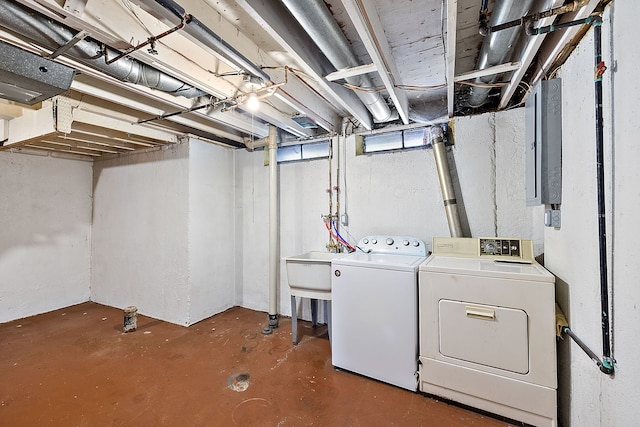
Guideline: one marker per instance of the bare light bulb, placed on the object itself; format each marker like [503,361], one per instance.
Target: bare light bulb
[252,102]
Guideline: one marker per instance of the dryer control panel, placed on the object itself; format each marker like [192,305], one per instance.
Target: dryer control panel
[496,248]
[503,247]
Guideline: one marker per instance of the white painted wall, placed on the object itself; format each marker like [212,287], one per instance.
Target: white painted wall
[163,232]
[140,233]
[45,204]
[211,230]
[385,193]
[588,397]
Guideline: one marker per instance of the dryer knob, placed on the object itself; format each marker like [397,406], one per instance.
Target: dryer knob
[374,241]
[389,241]
[365,241]
[416,243]
[405,242]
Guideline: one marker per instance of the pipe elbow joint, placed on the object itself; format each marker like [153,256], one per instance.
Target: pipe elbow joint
[606,369]
[607,366]
[529,30]
[483,26]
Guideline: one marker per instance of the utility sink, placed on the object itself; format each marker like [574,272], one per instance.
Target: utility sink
[309,274]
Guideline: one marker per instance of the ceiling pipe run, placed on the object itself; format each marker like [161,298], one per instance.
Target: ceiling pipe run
[436,135]
[317,20]
[205,35]
[52,35]
[498,47]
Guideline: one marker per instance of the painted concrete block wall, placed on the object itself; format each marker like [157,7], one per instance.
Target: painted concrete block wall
[513,217]
[393,193]
[140,233]
[45,239]
[384,193]
[211,230]
[588,397]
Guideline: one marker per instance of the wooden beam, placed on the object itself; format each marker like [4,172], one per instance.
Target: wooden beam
[365,18]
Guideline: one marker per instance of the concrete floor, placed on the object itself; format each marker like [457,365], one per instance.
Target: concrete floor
[75,367]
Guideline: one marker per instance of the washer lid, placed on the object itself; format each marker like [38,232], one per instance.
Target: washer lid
[382,261]
[487,267]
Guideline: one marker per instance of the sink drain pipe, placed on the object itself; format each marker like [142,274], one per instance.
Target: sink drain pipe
[607,363]
[436,135]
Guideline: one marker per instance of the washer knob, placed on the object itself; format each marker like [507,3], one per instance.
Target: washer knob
[416,243]
[365,241]
[374,241]
[405,242]
[389,241]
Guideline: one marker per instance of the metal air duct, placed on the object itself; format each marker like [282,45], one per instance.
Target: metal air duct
[28,78]
[436,135]
[52,35]
[498,47]
[316,19]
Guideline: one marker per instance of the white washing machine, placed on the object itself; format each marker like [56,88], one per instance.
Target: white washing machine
[375,309]
[487,328]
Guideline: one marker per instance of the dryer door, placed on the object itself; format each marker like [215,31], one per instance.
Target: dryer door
[487,335]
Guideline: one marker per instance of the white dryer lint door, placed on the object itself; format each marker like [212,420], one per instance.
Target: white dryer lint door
[483,334]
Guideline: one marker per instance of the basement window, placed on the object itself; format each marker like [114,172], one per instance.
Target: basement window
[297,152]
[391,141]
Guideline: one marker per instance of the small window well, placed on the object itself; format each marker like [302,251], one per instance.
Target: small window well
[394,140]
[297,152]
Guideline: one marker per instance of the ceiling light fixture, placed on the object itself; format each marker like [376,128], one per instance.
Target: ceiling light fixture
[252,102]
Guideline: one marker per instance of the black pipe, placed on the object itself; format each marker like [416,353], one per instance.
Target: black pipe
[607,364]
[204,34]
[602,225]
[483,25]
[531,18]
[590,353]
[550,28]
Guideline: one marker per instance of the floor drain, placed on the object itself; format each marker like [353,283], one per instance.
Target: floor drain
[239,382]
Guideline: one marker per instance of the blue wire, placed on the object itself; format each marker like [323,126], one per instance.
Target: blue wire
[338,234]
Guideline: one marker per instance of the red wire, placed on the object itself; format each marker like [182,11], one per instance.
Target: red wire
[344,242]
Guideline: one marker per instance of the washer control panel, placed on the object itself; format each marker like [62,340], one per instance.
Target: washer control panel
[502,247]
[400,245]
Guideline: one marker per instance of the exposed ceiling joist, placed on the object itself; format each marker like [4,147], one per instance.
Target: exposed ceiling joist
[496,69]
[364,16]
[350,72]
[62,126]
[272,16]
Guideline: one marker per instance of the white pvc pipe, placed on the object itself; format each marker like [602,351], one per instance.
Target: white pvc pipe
[273,226]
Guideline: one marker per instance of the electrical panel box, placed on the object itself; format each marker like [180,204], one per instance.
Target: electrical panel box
[543,138]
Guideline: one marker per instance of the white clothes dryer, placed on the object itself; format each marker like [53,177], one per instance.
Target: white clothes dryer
[487,328]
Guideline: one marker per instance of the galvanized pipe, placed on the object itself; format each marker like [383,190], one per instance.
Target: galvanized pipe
[436,135]
[317,20]
[51,35]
